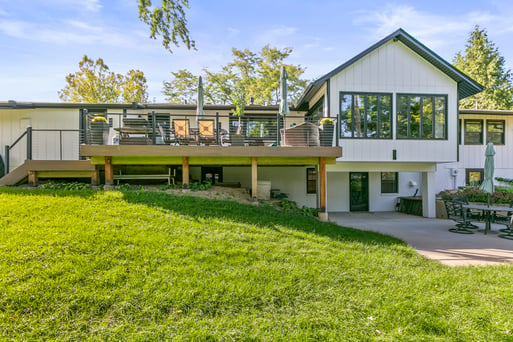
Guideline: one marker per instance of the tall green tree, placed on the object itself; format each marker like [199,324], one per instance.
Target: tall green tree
[95,83]
[483,63]
[249,75]
[183,88]
[167,21]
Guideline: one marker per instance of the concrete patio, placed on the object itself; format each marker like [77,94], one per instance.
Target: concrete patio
[431,238]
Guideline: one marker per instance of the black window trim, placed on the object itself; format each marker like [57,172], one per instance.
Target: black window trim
[503,122]
[481,137]
[396,183]
[308,180]
[367,93]
[421,95]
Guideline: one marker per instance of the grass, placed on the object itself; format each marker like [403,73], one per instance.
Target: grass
[135,265]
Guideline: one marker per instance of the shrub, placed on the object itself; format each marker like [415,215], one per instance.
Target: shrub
[474,194]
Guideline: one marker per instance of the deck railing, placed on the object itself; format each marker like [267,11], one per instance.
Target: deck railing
[223,130]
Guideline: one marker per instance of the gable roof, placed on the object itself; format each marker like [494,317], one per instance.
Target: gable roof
[466,85]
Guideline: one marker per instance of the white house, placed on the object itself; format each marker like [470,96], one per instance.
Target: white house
[395,107]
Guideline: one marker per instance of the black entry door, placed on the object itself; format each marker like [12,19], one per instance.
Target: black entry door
[359,191]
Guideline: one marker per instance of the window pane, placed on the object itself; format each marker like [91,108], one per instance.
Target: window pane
[473,132]
[415,116]
[311,180]
[427,117]
[346,125]
[372,116]
[440,124]
[389,182]
[474,177]
[402,117]
[385,116]
[495,132]
[359,115]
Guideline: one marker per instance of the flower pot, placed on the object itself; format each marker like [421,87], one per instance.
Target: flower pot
[326,134]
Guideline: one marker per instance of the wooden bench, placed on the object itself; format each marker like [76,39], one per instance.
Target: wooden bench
[169,176]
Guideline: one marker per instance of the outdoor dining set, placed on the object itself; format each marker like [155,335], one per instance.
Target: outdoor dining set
[466,215]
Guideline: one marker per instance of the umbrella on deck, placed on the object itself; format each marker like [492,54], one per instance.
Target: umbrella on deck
[200,113]
[284,107]
[487,184]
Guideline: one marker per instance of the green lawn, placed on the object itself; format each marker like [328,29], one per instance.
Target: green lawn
[141,265]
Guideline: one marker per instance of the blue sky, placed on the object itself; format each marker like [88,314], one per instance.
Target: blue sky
[43,40]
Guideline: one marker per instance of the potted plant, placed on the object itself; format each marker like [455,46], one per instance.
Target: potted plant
[99,130]
[327,127]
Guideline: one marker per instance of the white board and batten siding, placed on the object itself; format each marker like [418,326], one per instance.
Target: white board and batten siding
[473,156]
[395,69]
[45,145]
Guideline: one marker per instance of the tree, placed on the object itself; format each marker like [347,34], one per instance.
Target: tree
[183,88]
[167,21]
[249,75]
[483,63]
[94,83]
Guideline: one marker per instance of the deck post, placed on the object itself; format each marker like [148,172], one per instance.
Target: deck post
[29,143]
[109,172]
[185,172]
[32,178]
[153,128]
[322,188]
[95,179]
[254,178]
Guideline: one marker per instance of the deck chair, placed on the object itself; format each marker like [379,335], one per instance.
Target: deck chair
[182,131]
[206,133]
[456,212]
[506,220]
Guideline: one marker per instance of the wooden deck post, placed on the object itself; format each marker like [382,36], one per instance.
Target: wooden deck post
[32,178]
[254,178]
[185,172]
[95,177]
[109,172]
[322,184]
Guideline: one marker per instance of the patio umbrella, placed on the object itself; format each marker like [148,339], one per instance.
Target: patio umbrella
[200,113]
[487,184]
[284,107]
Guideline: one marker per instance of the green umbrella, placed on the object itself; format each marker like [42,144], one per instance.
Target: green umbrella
[487,184]
[284,107]
[200,113]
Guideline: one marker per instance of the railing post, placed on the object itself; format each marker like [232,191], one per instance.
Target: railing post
[278,129]
[153,126]
[217,129]
[337,131]
[60,143]
[29,143]
[7,149]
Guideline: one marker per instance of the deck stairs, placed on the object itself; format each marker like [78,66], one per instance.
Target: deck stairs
[31,170]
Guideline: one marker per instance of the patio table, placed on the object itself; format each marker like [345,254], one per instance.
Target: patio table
[487,210]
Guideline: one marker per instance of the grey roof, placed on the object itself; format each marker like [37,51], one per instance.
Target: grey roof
[466,85]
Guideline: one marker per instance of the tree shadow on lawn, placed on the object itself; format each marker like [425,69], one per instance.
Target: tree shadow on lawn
[261,215]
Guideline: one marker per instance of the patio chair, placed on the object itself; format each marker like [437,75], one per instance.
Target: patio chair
[182,131]
[506,220]
[472,214]
[206,132]
[456,212]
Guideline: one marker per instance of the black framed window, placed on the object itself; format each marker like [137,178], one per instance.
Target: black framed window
[421,116]
[311,180]
[473,131]
[474,177]
[495,132]
[389,182]
[367,116]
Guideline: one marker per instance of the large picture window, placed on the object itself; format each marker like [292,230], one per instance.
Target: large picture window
[473,132]
[366,116]
[421,116]
[495,132]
